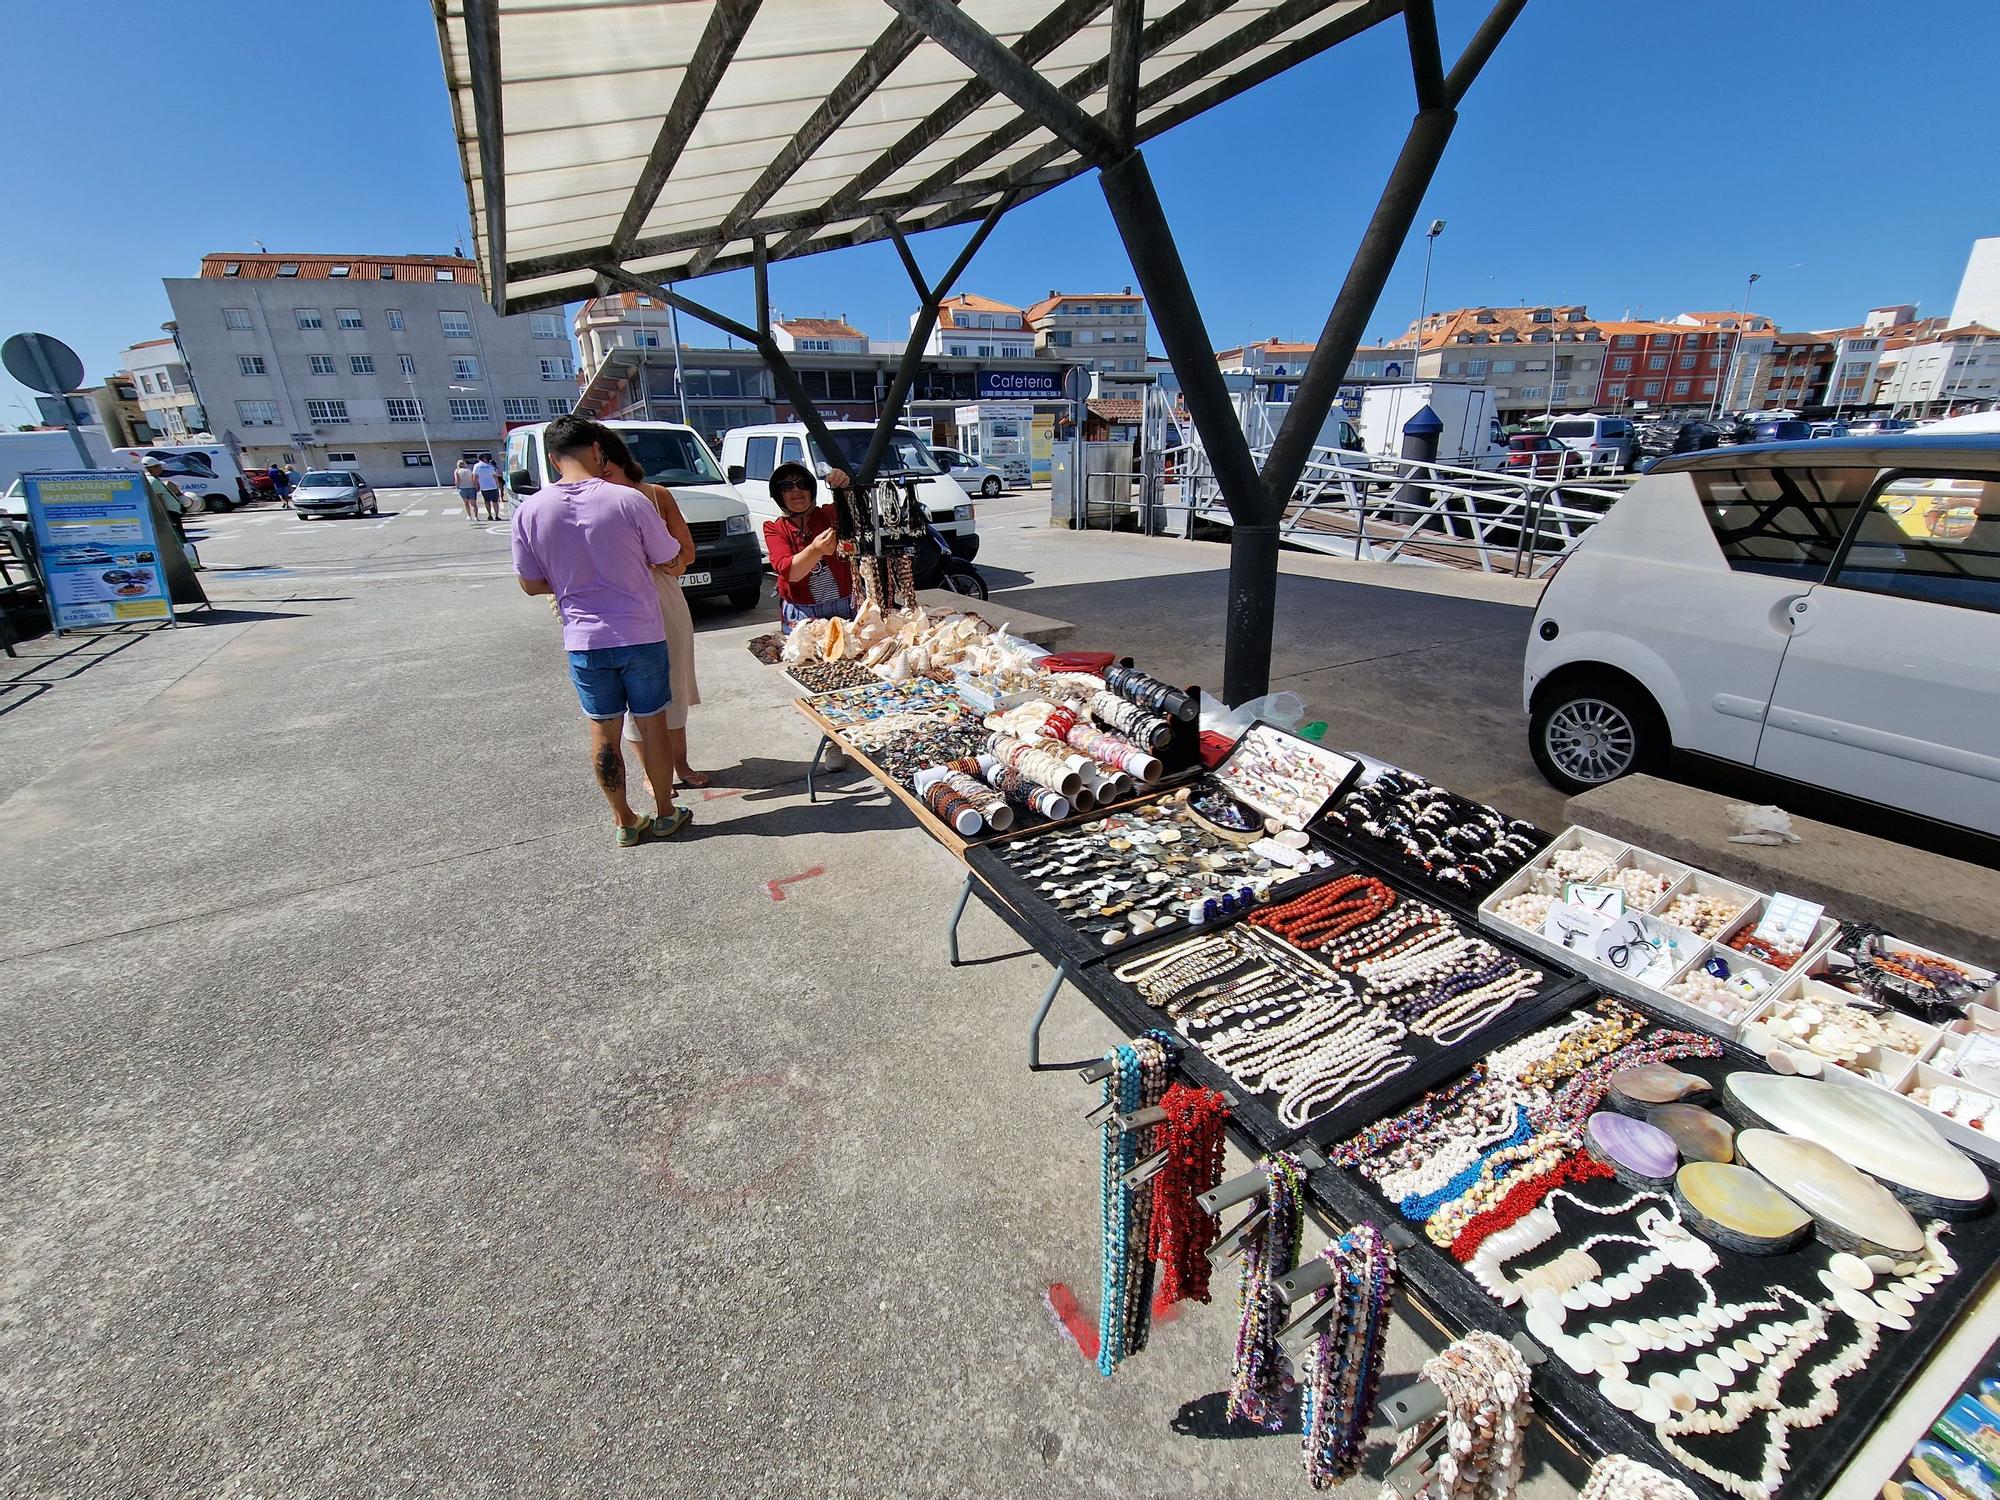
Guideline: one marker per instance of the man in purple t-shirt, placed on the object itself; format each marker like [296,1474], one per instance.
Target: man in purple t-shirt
[594,546]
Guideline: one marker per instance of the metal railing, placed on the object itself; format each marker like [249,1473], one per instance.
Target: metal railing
[1386,509]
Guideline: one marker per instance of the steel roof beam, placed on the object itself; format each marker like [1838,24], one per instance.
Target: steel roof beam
[884,55]
[1057,27]
[727,24]
[482,49]
[982,52]
[1121,76]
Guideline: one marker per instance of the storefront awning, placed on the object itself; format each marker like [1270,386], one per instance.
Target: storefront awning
[667,138]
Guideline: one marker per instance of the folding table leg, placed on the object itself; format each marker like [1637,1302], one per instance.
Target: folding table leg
[812,768]
[957,915]
[1035,1063]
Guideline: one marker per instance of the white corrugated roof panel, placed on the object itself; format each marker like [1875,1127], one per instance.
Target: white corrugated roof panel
[825,119]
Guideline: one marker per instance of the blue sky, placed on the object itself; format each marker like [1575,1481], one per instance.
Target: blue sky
[1627,156]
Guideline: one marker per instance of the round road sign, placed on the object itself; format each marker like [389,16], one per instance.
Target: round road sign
[42,363]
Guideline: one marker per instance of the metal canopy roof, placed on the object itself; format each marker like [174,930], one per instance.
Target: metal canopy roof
[665,138]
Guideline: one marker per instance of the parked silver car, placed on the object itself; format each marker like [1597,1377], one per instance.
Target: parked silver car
[334,492]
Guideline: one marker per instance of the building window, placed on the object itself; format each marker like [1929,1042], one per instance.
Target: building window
[464,367]
[306,317]
[559,406]
[545,325]
[257,413]
[1562,390]
[558,369]
[166,381]
[232,268]
[420,459]
[250,364]
[1681,387]
[444,275]
[468,409]
[1531,393]
[343,458]
[327,413]
[1687,361]
[336,271]
[288,268]
[520,408]
[1503,367]
[385,273]
[457,325]
[237,318]
[642,300]
[816,346]
[403,409]
[1614,392]
[322,364]
[349,317]
[1708,387]
[645,338]
[1656,361]
[408,363]
[361,364]
[145,382]
[395,317]
[1652,387]
[1626,341]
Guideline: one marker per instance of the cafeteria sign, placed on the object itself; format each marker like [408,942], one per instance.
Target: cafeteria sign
[94,530]
[1002,385]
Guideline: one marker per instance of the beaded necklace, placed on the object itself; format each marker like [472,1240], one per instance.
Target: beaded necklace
[1579,1098]
[1485,1386]
[1183,1230]
[1343,1364]
[1136,1081]
[1258,1375]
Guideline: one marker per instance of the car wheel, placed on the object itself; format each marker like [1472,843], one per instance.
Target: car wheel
[1587,732]
[991,487]
[374,506]
[748,597]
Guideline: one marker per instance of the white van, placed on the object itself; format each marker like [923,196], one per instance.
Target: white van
[1827,612]
[727,561]
[1609,445]
[749,454]
[206,474]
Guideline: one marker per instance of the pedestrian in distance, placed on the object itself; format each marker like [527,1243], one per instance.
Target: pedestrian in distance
[167,493]
[597,546]
[468,488]
[621,468]
[488,479]
[280,485]
[291,476]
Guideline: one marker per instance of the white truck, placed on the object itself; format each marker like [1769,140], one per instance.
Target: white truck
[1471,438]
[27,452]
[206,474]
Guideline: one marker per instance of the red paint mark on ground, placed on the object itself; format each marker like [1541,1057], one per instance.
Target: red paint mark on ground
[1071,1319]
[1164,1311]
[804,1110]
[776,887]
[709,794]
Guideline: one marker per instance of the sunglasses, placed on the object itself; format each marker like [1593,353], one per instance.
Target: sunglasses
[789,485]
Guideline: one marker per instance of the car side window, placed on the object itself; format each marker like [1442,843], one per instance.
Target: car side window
[1934,537]
[795,451]
[1787,523]
[758,453]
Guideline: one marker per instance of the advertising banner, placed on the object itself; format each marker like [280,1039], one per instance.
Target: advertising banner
[94,529]
[1003,385]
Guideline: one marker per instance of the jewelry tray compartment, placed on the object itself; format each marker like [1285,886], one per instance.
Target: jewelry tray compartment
[1573,839]
[1385,859]
[1574,1403]
[1801,990]
[1991,997]
[1257,1112]
[1077,949]
[1715,888]
[1968,1138]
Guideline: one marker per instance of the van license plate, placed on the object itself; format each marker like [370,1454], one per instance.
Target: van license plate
[694,580]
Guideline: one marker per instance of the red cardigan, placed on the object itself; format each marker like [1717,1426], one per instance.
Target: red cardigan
[783,540]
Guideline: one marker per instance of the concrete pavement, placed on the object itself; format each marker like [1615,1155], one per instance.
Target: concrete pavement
[369,1125]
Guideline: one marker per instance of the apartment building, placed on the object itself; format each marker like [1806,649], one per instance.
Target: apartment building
[1665,367]
[623,320]
[393,365]
[1103,331]
[1534,359]
[167,400]
[1956,370]
[1799,372]
[817,335]
[116,407]
[973,327]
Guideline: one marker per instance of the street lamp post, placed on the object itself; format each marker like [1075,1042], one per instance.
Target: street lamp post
[424,423]
[1424,298]
[1736,353]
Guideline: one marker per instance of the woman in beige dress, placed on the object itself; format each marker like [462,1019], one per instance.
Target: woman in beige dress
[620,468]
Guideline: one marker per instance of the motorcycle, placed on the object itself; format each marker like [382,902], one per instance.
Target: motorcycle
[938,567]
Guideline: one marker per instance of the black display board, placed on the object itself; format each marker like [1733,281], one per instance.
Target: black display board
[1431,1065]
[1391,863]
[1055,935]
[1573,1401]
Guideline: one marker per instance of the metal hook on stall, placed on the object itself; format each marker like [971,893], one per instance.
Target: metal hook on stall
[1417,1404]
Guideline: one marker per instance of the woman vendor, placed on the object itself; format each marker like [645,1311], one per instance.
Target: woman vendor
[814,582]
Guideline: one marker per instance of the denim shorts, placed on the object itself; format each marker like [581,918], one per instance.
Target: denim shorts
[612,681]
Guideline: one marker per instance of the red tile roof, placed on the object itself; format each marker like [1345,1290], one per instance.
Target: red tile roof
[972,302]
[1043,307]
[820,328]
[263,267]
